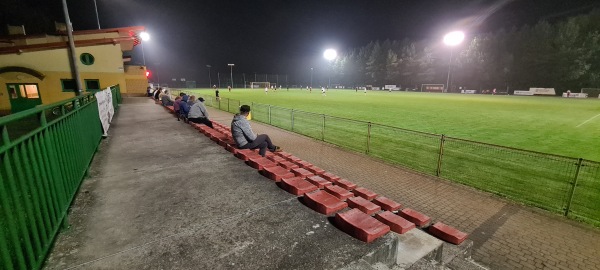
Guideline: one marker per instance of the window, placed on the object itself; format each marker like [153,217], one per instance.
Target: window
[68,85]
[92,85]
[29,91]
[87,59]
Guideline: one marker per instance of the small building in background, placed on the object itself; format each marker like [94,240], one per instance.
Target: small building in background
[36,69]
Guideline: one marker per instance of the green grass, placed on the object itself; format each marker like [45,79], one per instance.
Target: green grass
[403,127]
[540,124]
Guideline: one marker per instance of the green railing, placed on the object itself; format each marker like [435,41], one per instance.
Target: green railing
[565,185]
[44,155]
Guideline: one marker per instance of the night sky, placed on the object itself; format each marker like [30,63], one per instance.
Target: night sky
[289,37]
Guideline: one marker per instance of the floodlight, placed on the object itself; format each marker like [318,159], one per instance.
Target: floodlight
[145,36]
[330,54]
[454,38]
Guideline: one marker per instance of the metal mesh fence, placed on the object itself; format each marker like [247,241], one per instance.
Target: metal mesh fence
[559,184]
[415,150]
[281,117]
[585,200]
[346,133]
[534,178]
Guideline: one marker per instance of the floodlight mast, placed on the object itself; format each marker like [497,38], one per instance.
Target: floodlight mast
[329,54]
[452,39]
[145,37]
[231,66]
[209,77]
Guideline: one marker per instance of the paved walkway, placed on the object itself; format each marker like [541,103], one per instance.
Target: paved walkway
[162,196]
[505,235]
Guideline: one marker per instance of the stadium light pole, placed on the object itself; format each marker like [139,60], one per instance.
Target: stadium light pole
[231,66]
[452,39]
[97,18]
[145,37]
[209,78]
[329,54]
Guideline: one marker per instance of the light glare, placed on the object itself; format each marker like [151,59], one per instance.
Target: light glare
[330,54]
[454,38]
[145,36]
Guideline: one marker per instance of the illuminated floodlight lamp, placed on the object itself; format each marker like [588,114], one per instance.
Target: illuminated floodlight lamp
[330,54]
[145,36]
[454,38]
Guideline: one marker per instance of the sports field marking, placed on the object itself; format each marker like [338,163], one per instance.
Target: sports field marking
[588,120]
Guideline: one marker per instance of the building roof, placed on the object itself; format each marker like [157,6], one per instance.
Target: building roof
[125,36]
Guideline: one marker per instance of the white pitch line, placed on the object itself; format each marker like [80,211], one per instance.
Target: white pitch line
[588,120]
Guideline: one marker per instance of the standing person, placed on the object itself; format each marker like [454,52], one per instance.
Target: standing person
[266,90]
[310,89]
[217,94]
[365,91]
[198,114]
[245,138]
[323,91]
[229,87]
[157,93]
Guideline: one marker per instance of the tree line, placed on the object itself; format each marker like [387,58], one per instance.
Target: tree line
[564,55]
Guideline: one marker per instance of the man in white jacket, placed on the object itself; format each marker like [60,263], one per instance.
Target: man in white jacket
[245,138]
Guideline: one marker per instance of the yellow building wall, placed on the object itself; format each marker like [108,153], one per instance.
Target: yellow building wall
[135,80]
[108,68]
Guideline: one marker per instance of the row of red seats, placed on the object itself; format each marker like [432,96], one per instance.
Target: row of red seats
[370,217]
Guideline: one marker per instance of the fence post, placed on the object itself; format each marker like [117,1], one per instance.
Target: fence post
[573,185]
[323,128]
[292,119]
[228,101]
[368,137]
[438,171]
[269,114]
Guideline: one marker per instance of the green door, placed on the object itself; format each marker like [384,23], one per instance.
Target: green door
[23,96]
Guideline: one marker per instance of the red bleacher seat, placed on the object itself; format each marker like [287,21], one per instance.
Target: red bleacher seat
[360,225]
[297,186]
[323,202]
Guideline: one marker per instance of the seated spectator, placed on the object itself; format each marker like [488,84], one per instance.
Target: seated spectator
[245,138]
[198,114]
[149,91]
[166,98]
[184,108]
[176,106]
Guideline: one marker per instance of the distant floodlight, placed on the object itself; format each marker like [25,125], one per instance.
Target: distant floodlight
[454,38]
[145,36]
[330,54]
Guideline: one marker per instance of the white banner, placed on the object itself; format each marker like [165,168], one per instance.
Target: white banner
[575,95]
[468,91]
[543,91]
[106,110]
[523,93]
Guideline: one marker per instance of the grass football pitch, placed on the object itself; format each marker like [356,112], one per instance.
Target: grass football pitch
[561,126]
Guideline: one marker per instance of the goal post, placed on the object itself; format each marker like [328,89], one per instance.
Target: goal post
[435,88]
[259,85]
[592,92]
